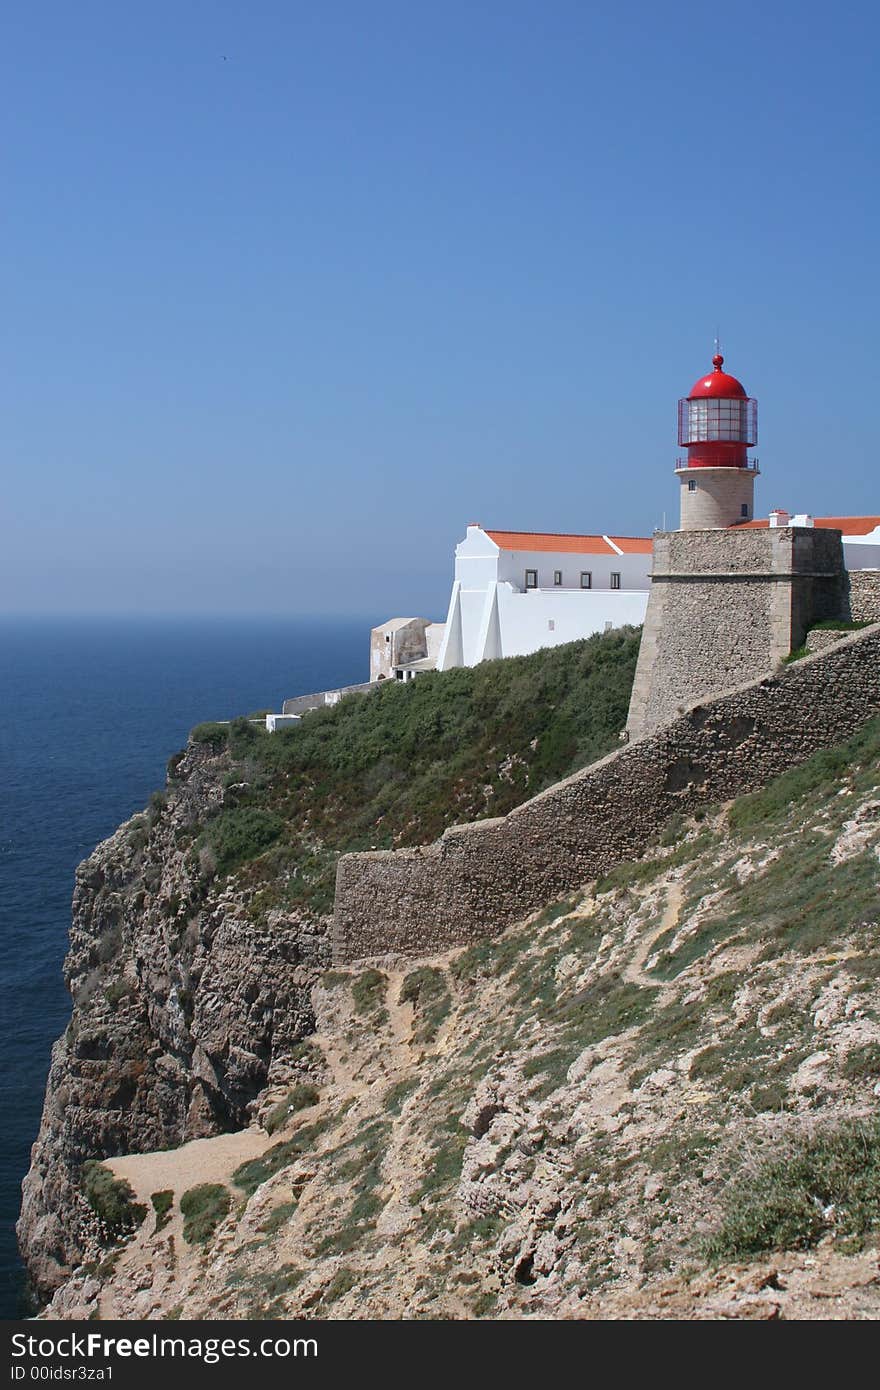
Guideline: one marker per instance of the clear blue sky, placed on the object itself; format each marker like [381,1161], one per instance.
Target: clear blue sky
[293,291]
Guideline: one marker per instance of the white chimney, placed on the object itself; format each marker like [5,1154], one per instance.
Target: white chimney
[778,517]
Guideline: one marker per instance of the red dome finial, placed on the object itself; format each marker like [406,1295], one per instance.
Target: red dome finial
[718,361]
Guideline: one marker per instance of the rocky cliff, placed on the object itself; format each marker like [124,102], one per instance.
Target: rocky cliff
[185,1007]
[657,1098]
[201,926]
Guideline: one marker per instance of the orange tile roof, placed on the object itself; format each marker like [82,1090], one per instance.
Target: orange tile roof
[633,545]
[566,544]
[849,525]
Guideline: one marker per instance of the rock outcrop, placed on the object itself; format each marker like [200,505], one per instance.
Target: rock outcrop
[185,1007]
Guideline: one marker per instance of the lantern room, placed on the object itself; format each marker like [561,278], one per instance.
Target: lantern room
[717,425]
[717,422]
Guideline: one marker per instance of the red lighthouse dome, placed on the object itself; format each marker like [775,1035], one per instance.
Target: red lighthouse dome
[717,422]
[717,383]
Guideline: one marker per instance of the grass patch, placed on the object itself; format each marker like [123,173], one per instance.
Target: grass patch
[203,1208]
[839,625]
[278,1217]
[828,1182]
[611,1005]
[250,1175]
[399,1093]
[821,774]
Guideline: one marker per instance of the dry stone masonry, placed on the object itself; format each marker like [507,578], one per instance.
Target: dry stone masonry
[864,596]
[480,878]
[725,607]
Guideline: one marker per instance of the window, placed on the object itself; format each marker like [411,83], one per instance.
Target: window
[615,580]
[557,577]
[531,579]
[586,579]
[551,624]
[744,509]
[692,487]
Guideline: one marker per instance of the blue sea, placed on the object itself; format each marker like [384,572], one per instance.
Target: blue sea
[90,710]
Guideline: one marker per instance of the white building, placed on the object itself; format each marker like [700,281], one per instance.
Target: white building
[517,591]
[861,534]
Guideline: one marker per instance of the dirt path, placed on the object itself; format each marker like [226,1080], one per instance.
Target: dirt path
[634,972]
[400,1018]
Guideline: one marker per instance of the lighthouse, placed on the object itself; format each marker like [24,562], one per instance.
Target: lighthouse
[717,424]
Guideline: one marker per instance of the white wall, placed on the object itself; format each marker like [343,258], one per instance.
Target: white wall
[862,552]
[492,614]
[525,619]
[502,621]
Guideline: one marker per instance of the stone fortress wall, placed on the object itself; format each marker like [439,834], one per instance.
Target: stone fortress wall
[302,704]
[864,596]
[482,877]
[725,607]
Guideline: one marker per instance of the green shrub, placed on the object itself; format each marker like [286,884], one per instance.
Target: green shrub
[172,767]
[118,990]
[343,1280]
[426,990]
[203,1208]
[216,736]
[862,1062]
[827,1182]
[368,991]
[111,1199]
[298,1098]
[278,1217]
[241,833]
[162,1204]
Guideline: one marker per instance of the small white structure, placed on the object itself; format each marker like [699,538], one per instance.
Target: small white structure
[517,591]
[274,722]
[402,647]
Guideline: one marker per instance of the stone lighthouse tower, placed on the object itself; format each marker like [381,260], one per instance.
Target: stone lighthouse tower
[731,597]
[717,424]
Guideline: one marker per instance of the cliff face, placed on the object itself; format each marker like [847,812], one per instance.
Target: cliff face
[185,1008]
[656,1099]
[198,928]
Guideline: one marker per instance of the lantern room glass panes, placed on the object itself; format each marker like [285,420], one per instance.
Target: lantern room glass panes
[728,421]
